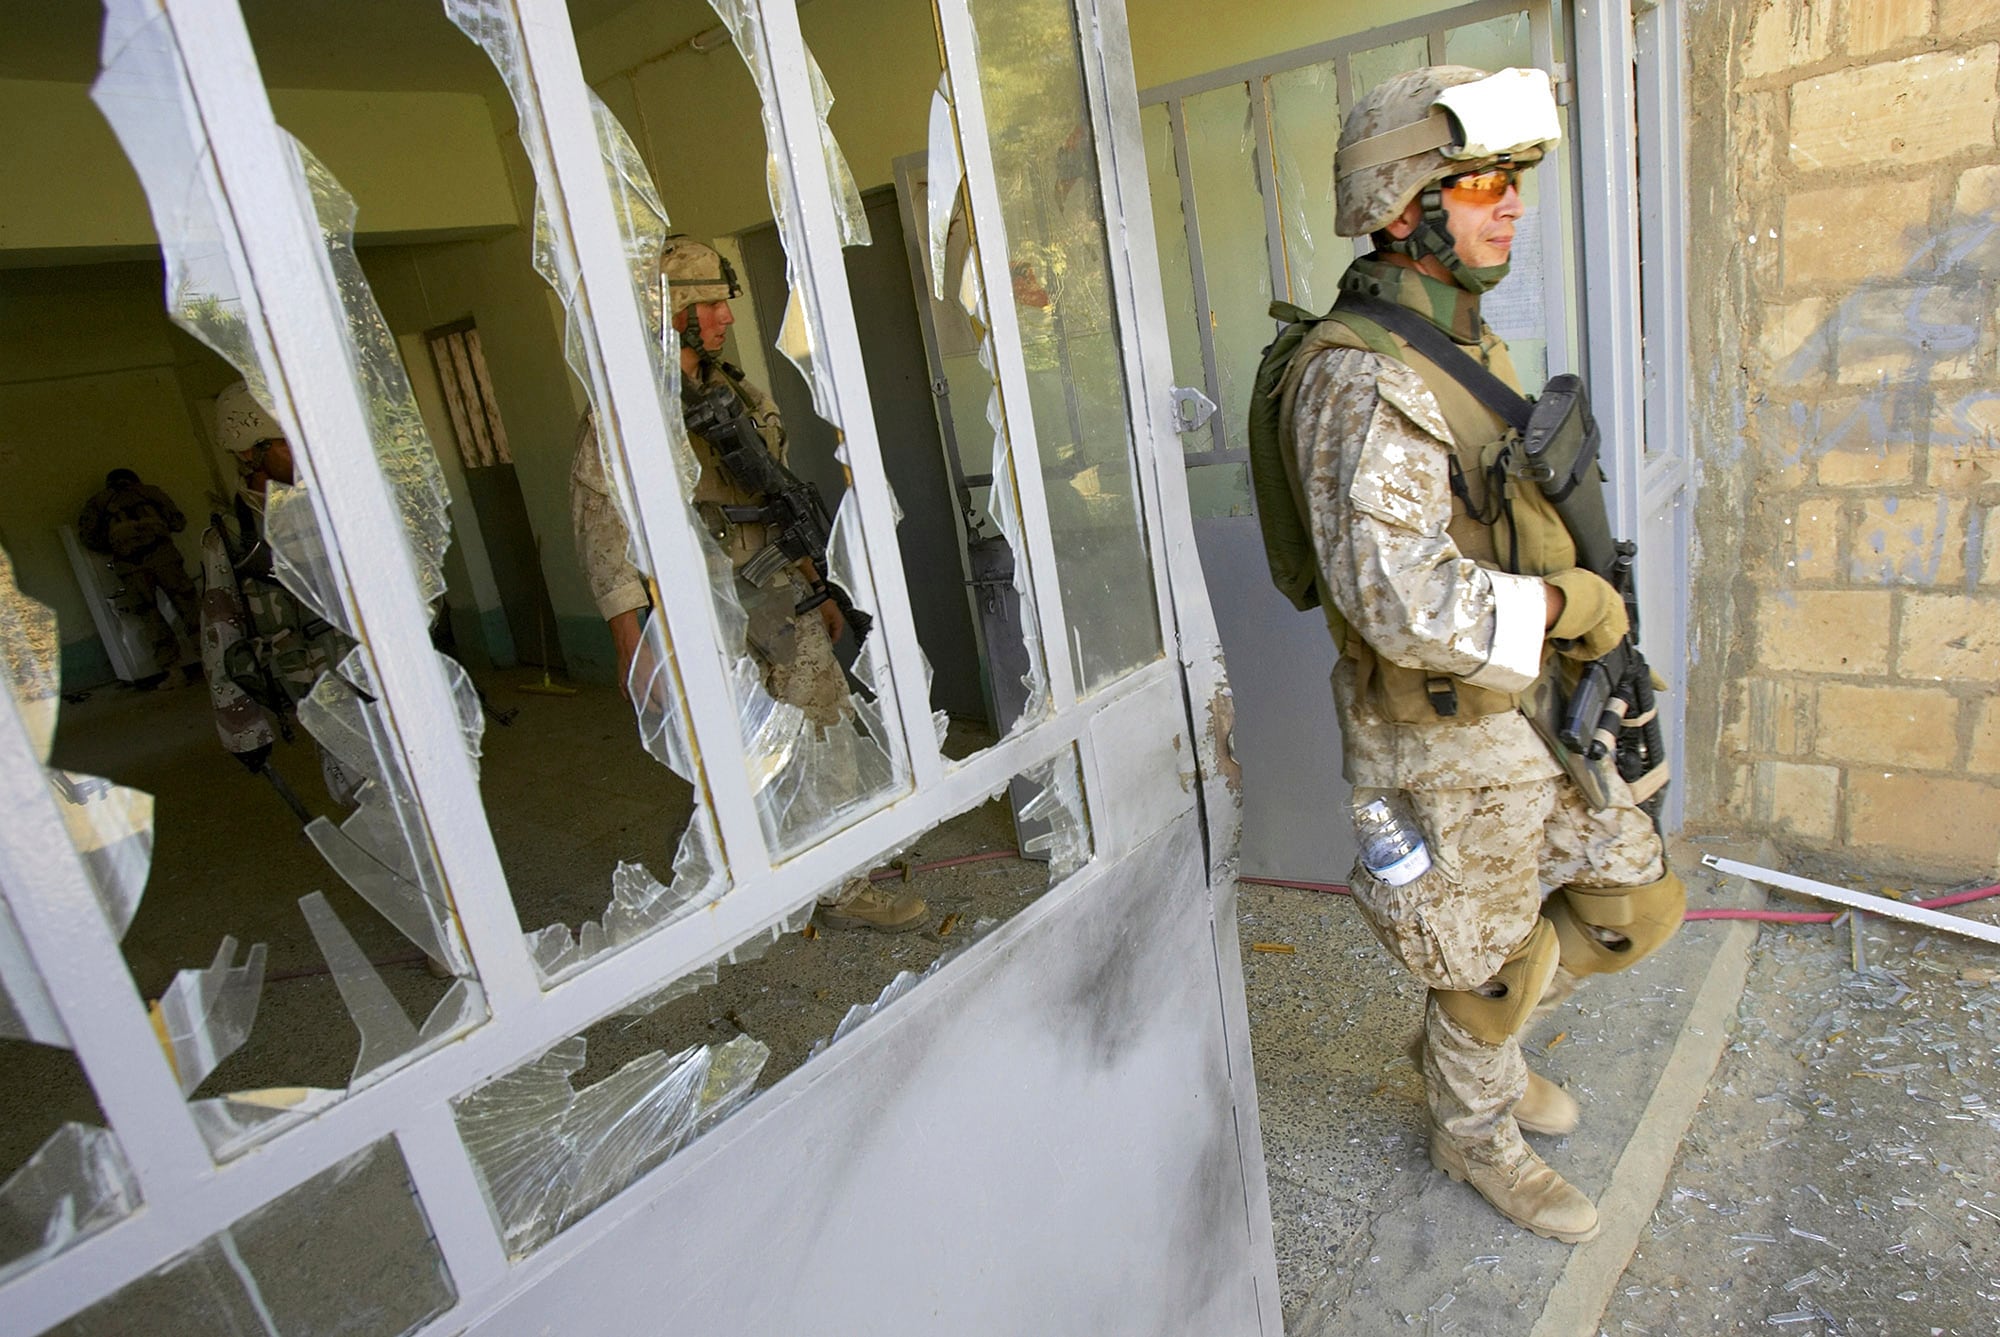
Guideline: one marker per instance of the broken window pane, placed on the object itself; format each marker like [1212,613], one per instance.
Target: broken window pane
[1045,156]
[557,1137]
[818,755]
[349,1251]
[282,657]
[62,1174]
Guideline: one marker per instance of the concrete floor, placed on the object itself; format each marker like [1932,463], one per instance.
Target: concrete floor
[569,793]
[1774,1137]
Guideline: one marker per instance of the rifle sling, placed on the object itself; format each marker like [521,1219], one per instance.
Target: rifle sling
[1442,349]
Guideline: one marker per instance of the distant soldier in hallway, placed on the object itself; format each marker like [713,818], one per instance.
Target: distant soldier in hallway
[133,523]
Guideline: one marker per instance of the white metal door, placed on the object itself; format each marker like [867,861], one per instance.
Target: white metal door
[1085,1066]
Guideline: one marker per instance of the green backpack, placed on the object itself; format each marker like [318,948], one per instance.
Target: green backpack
[1287,547]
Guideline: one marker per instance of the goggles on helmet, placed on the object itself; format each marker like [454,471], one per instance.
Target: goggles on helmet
[1501,116]
[1487,187]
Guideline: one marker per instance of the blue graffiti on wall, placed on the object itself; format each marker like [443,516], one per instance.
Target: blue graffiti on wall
[1919,332]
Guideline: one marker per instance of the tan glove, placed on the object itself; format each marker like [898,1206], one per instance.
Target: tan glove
[1593,617]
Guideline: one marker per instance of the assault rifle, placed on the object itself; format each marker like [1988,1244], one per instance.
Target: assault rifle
[792,507]
[1611,710]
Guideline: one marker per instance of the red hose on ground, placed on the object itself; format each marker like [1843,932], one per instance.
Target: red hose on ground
[1759,916]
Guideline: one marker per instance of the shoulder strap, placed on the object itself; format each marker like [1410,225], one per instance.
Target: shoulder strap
[1439,347]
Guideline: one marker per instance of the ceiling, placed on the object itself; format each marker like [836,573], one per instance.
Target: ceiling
[356,44]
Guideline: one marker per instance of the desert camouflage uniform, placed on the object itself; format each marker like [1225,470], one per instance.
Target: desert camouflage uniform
[797,658]
[134,523]
[252,626]
[1373,454]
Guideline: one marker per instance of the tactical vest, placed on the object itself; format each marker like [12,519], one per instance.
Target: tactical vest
[1495,521]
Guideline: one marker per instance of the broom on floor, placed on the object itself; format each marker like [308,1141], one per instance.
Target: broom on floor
[545,687]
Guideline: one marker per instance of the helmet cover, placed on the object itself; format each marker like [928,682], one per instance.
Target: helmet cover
[1421,126]
[695,273]
[241,422]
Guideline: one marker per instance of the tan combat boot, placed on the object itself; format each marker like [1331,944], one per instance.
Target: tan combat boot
[862,904]
[1545,1108]
[1521,1187]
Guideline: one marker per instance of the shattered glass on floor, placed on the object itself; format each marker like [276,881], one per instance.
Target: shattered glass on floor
[1843,1175]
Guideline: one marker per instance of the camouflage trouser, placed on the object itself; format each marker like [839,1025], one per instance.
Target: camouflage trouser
[148,574]
[1492,851]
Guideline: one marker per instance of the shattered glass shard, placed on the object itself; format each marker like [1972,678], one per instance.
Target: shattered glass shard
[549,1154]
[76,1183]
[386,1032]
[205,1015]
[944,173]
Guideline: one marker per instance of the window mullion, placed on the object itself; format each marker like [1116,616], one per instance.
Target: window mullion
[1160,469]
[268,209]
[803,158]
[681,570]
[982,193]
[55,907]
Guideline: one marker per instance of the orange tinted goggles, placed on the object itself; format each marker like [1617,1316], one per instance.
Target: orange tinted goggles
[1487,187]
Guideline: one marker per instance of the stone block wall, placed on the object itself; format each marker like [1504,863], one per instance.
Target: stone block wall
[1845,173]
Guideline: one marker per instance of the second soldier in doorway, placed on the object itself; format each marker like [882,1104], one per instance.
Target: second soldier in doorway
[134,523]
[1448,588]
[262,647]
[793,648]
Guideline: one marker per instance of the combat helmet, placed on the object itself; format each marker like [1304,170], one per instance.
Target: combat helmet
[1412,131]
[695,272]
[241,422]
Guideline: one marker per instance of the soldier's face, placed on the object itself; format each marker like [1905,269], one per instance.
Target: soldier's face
[712,322]
[1481,222]
[267,461]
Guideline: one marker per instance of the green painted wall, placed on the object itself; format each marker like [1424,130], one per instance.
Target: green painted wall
[414,162]
[92,378]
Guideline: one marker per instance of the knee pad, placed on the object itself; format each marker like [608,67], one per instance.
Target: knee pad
[1633,922]
[1492,1017]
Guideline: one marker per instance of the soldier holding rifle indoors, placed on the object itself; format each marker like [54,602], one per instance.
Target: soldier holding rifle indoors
[794,615]
[1401,500]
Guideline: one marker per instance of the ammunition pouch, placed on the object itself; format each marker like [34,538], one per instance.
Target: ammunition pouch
[1501,1006]
[1603,929]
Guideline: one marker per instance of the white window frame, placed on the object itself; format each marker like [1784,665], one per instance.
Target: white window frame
[188,1195]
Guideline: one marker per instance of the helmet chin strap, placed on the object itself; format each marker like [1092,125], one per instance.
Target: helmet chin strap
[1432,239]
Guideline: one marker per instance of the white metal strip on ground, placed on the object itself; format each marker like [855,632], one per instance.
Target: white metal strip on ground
[1859,900]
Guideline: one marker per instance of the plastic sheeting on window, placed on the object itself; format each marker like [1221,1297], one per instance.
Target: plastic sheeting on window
[144,93]
[1304,137]
[74,1185]
[290,1268]
[548,1154]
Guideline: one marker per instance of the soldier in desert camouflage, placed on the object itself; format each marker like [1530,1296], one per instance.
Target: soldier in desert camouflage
[794,649]
[1445,606]
[134,522]
[262,648]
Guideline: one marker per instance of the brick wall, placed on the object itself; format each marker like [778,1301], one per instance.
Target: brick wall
[1845,177]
